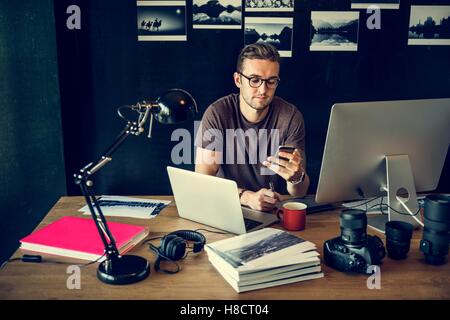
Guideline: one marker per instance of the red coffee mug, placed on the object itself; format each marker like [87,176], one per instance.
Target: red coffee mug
[293,216]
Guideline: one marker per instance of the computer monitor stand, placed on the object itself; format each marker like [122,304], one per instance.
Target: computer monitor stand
[401,194]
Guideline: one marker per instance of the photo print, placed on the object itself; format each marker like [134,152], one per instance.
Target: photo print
[269,5]
[276,31]
[242,254]
[161,20]
[429,25]
[217,14]
[334,31]
[382,4]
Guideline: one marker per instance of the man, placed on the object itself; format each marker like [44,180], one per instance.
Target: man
[255,111]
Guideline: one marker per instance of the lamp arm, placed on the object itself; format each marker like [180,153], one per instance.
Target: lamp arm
[109,243]
[83,179]
[131,128]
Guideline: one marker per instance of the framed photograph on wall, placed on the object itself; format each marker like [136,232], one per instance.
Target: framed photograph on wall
[161,20]
[429,25]
[217,14]
[276,31]
[334,31]
[382,4]
[269,5]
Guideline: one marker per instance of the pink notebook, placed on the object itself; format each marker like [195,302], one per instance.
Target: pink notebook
[78,238]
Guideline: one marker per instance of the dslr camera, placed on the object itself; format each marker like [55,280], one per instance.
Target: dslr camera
[354,250]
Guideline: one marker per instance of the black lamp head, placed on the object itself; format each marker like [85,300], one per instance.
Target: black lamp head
[175,105]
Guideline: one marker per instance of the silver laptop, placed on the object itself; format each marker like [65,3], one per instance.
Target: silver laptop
[215,202]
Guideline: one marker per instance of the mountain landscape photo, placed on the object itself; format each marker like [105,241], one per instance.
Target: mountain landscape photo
[330,31]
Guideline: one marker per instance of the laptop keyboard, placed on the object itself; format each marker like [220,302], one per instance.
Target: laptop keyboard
[250,224]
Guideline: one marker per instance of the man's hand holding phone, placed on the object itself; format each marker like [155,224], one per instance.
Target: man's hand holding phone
[288,163]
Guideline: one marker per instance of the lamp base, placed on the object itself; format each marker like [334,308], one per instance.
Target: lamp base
[124,270]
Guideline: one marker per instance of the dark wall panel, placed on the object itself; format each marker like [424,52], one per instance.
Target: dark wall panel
[31,157]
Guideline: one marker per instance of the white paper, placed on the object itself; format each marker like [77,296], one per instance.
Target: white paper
[127,211]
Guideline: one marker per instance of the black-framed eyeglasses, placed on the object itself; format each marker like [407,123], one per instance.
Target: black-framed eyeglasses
[256,82]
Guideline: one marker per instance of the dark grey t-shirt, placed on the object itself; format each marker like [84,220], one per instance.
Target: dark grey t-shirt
[246,145]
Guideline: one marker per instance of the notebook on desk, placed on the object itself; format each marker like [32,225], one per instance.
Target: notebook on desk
[214,202]
[78,238]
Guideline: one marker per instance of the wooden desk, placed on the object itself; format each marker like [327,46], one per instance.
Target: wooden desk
[407,279]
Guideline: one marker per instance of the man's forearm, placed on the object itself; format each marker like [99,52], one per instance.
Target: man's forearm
[299,189]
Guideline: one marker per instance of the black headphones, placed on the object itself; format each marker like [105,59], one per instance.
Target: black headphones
[173,246]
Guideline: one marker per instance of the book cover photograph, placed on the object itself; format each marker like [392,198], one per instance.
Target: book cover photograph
[260,247]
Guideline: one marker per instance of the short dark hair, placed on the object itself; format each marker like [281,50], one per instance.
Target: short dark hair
[263,51]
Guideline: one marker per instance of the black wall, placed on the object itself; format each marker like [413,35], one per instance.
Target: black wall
[32,174]
[113,69]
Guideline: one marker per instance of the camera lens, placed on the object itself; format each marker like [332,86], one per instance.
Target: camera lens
[353,224]
[398,238]
[435,240]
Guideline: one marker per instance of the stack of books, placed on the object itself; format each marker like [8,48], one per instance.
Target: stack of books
[264,258]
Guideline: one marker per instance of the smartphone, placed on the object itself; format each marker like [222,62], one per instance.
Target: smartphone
[287,149]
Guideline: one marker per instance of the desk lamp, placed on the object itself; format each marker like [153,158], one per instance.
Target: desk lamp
[172,106]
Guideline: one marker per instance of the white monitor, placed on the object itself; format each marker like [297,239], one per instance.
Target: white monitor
[385,148]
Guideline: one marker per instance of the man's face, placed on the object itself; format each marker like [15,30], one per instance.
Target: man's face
[257,98]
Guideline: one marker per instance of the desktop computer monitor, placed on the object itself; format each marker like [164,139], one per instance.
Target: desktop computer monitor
[386,148]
